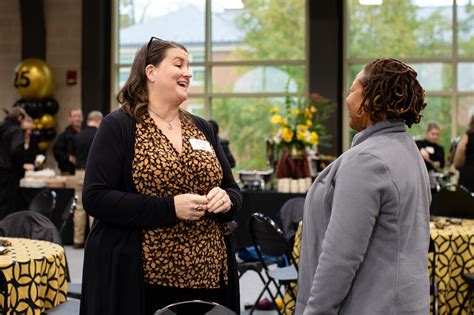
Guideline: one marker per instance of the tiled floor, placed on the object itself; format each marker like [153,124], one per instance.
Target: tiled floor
[250,284]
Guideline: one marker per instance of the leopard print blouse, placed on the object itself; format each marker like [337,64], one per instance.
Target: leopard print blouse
[191,254]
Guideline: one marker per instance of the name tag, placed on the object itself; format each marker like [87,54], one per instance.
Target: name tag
[198,144]
[430,150]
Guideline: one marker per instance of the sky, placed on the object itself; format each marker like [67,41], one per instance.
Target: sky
[156,8]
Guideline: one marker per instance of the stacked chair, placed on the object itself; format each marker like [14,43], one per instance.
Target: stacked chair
[44,202]
[74,290]
[269,240]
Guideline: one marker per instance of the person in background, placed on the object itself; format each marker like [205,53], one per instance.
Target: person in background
[161,193]
[82,143]
[12,159]
[431,151]
[464,158]
[366,217]
[31,144]
[63,146]
[224,143]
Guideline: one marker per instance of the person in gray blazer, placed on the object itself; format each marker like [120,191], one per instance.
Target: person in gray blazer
[366,218]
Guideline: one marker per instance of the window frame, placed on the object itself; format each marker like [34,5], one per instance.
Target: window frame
[454,60]
[208,64]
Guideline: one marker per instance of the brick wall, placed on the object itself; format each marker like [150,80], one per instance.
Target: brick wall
[10,51]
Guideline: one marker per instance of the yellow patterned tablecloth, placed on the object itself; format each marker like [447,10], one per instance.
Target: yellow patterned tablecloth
[454,246]
[289,303]
[35,275]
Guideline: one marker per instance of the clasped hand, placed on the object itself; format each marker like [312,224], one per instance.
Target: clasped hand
[193,206]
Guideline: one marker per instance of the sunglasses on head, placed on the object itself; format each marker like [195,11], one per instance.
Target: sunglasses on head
[148,46]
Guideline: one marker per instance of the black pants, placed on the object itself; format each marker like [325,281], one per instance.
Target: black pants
[158,297]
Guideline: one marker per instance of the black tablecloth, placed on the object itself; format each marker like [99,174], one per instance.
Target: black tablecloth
[63,196]
[266,202]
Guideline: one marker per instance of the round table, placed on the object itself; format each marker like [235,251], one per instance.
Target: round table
[35,277]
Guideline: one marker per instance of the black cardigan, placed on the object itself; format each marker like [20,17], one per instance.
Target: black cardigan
[113,277]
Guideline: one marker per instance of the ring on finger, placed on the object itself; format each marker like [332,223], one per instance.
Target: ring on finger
[222,201]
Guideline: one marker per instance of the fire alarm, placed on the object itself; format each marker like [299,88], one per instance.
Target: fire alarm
[71,77]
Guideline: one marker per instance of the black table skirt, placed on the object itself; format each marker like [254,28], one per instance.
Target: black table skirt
[63,196]
[266,202]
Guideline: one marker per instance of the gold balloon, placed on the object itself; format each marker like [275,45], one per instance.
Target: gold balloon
[43,145]
[34,79]
[39,126]
[47,121]
[36,121]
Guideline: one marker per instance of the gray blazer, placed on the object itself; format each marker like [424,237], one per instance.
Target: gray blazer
[366,229]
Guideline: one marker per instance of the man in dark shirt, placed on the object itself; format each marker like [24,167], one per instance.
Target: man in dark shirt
[63,146]
[224,143]
[12,158]
[82,143]
[83,140]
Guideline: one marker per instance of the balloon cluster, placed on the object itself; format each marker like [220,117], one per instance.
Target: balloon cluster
[34,82]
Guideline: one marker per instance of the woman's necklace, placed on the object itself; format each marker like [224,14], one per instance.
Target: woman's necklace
[169,126]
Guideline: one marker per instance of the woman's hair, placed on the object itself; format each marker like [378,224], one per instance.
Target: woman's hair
[134,95]
[470,129]
[432,125]
[214,125]
[390,90]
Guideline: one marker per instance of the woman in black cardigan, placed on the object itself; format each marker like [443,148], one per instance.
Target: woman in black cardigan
[161,191]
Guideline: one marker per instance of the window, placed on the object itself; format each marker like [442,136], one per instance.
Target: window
[436,38]
[244,59]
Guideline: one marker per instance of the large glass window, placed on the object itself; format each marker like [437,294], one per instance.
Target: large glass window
[436,37]
[245,56]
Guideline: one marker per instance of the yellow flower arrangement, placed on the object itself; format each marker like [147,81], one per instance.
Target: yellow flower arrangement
[298,122]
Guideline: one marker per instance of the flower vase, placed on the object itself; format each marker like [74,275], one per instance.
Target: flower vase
[293,163]
[296,152]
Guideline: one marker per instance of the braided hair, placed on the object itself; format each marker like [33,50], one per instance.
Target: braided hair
[390,90]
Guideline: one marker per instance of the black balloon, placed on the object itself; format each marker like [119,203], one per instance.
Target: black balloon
[48,134]
[20,103]
[32,109]
[40,105]
[50,106]
[36,133]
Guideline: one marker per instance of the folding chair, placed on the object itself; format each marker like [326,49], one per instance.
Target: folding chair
[74,290]
[196,307]
[268,240]
[68,213]
[44,202]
